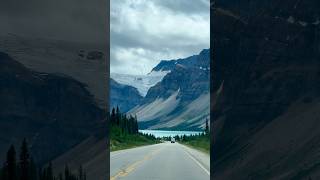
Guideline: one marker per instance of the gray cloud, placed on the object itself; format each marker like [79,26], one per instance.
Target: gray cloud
[187,7]
[74,20]
[143,32]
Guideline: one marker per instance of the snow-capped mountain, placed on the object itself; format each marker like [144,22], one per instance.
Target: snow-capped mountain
[142,82]
[180,101]
[195,61]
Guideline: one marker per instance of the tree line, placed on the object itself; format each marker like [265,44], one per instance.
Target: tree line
[25,169]
[127,124]
[182,138]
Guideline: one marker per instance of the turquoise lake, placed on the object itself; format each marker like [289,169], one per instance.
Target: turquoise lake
[162,133]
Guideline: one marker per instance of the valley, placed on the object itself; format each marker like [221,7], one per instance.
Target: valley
[177,94]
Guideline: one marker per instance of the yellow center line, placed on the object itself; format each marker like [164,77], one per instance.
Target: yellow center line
[130,168]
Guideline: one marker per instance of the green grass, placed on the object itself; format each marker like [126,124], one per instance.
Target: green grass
[119,140]
[201,143]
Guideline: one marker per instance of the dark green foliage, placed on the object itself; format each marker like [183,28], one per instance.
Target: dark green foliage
[207,127]
[24,163]
[9,171]
[26,168]
[124,132]
[46,173]
[200,141]
[81,173]
[33,170]
[128,125]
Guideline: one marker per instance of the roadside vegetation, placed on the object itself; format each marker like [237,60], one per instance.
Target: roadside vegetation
[124,132]
[24,168]
[200,141]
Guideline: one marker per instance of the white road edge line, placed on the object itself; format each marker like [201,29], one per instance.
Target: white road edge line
[114,155]
[198,163]
[126,150]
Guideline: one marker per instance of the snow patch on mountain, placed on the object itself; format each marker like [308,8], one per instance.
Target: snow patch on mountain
[142,82]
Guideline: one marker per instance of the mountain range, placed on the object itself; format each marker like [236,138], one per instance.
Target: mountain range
[54,94]
[83,61]
[179,96]
[53,112]
[265,90]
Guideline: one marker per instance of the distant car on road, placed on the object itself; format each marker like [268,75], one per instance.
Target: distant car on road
[173,140]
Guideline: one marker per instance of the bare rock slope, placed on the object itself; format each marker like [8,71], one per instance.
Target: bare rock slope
[265,90]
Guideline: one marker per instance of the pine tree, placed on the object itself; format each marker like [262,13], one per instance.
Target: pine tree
[131,125]
[121,124]
[125,124]
[85,176]
[136,124]
[113,117]
[81,175]
[207,127]
[66,173]
[118,116]
[40,174]
[60,176]
[11,166]
[49,173]
[4,174]
[24,161]
[33,170]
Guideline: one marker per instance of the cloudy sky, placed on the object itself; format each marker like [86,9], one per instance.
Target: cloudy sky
[143,32]
[69,20]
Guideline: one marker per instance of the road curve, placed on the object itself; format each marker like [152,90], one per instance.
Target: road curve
[165,161]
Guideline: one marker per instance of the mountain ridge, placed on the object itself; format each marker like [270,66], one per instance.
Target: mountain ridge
[52,112]
[266,90]
[186,82]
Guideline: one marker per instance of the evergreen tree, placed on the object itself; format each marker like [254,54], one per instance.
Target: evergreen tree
[113,117]
[26,168]
[131,125]
[121,124]
[40,174]
[60,176]
[4,174]
[81,175]
[127,124]
[10,165]
[207,127]
[118,116]
[177,138]
[85,176]
[136,124]
[66,173]
[33,170]
[184,138]
[24,161]
[49,173]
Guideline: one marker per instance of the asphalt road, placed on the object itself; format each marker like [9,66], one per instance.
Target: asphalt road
[165,161]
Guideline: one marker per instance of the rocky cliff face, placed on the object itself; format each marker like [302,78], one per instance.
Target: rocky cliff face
[181,99]
[265,89]
[124,96]
[190,75]
[53,112]
[83,61]
[200,60]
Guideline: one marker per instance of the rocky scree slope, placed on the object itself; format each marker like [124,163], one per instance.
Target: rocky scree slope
[53,112]
[265,90]
[181,99]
